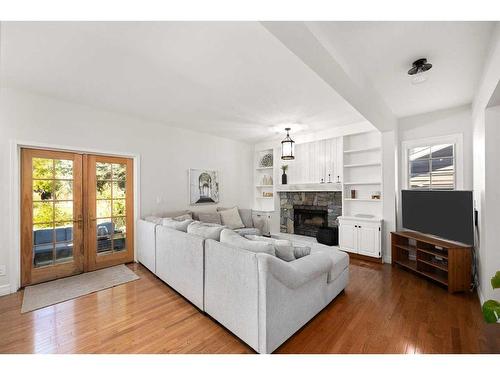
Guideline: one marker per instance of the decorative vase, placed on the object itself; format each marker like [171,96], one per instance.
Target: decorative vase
[283,179]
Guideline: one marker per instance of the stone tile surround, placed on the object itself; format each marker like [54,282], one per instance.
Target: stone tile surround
[331,200]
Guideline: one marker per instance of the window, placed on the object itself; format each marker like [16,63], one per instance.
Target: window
[432,167]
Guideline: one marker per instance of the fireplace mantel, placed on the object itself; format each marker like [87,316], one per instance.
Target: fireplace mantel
[310,187]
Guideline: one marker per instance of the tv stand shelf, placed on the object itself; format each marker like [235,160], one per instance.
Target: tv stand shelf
[445,262]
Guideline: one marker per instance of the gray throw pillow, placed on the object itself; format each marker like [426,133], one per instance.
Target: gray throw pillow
[153,219]
[175,224]
[210,217]
[184,217]
[291,253]
[207,231]
[231,218]
[232,238]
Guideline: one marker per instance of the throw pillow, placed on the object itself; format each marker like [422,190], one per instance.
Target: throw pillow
[184,217]
[175,224]
[291,253]
[153,219]
[272,241]
[245,214]
[231,218]
[210,217]
[207,231]
[232,238]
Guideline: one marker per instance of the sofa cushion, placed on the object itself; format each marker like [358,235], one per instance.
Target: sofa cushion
[245,215]
[153,219]
[290,253]
[204,210]
[175,224]
[210,217]
[232,238]
[188,216]
[248,231]
[205,230]
[272,241]
[231,218]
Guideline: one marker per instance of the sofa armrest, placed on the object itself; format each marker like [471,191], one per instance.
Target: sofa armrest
[146,244]
[299,272]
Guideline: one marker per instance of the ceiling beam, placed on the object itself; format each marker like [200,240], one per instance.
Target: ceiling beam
[308,47]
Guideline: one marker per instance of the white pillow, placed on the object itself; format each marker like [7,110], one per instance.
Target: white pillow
[183,217]
[153,219]
[231,218]
[272,241]
[290,253]
[175,224]
[208,231]
[232,238]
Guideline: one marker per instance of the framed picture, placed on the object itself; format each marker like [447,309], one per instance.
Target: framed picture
[203,186]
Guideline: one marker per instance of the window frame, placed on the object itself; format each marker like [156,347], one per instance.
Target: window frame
[455,139]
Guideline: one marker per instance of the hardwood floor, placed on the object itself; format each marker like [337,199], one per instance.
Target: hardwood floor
[383,310]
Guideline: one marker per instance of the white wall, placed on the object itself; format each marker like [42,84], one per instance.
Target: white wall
[166,153]
[486,156]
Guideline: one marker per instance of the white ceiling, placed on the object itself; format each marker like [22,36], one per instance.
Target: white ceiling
[383,53]
[232,79]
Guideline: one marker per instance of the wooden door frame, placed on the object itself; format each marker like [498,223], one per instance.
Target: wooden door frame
[14,266]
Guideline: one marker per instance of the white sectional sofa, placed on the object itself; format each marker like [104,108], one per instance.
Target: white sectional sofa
[260,298]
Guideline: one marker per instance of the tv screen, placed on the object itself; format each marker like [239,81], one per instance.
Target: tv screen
[446,214]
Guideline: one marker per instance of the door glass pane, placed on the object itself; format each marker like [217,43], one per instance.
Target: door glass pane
[120,233]
[103,171]
[43,255]
[64,169]
[103,190]
[63,190]
[119,207]
[119,189]
[63,211]
[103,208]
[64,242]
[43,212]
[43,244]
[119,172]
[104,235]
[43,168]
[43,190]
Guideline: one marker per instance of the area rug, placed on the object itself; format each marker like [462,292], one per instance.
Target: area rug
[52,292]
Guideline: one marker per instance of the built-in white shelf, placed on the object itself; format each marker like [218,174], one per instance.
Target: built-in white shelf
[363,183]
[265,197]
[310,187]
[361,150]
[263,168]
[362,165]
[363,199]
[264,186]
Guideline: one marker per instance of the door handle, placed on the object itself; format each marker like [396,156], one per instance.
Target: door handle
[79,221]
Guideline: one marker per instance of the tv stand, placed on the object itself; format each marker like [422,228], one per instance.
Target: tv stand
[445,262]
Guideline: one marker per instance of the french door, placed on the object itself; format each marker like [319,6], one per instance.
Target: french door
[76,213]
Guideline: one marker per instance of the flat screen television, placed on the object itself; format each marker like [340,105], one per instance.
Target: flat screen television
[446,214]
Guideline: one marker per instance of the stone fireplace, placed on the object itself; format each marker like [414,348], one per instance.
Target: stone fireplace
[305,212]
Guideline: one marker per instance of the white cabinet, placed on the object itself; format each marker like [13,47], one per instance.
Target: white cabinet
[360,236]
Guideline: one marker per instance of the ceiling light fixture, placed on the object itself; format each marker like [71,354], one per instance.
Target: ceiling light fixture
[287,147]
[418,71]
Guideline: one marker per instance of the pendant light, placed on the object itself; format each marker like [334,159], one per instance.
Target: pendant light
[287,147]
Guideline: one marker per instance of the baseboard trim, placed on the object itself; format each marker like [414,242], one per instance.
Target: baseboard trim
[5,289]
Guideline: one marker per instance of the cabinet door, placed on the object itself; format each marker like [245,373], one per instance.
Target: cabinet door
[348,237]
[369,240]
